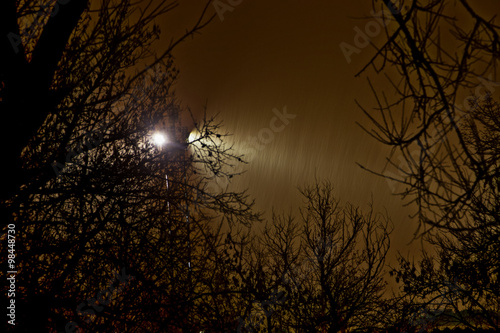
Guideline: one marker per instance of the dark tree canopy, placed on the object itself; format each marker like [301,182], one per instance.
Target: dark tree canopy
[116,232]
[93,200]
[441,116]
[319,272]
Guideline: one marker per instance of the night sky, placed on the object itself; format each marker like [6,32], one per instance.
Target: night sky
[266,55]
[289,82]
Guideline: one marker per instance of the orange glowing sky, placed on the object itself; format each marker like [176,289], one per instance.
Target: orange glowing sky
[266,55]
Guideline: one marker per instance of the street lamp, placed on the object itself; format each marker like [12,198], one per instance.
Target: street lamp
[159,139]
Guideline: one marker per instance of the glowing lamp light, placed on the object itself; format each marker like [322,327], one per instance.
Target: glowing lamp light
[194,135]
[159,139]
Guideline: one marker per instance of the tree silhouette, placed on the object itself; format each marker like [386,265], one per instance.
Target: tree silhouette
[321,273]
[445,152]
[113,232]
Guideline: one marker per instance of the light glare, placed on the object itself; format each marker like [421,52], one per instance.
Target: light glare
[159,139]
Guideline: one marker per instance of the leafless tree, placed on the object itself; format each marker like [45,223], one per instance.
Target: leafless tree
[324,273]
[445,152]
[89,193]
[431,62]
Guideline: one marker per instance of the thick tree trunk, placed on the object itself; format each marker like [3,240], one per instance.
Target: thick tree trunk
[26,99]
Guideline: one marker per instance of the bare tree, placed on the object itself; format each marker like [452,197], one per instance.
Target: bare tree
[436,166]
[113,232]
[325,273]
[445,151]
